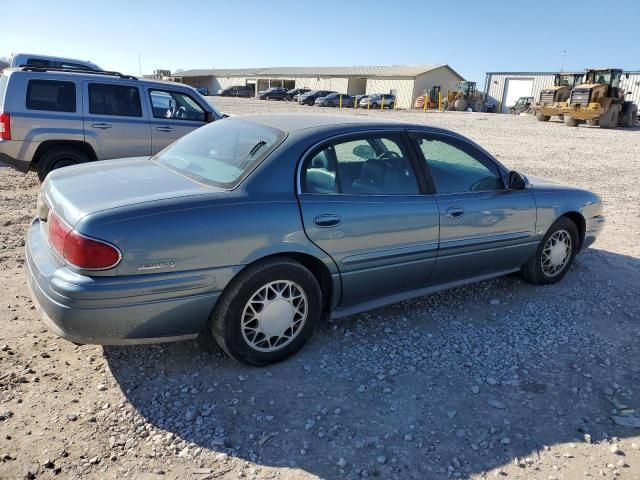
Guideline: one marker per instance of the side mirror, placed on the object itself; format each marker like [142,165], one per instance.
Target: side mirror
[516,180]
[364,151]
[208,116]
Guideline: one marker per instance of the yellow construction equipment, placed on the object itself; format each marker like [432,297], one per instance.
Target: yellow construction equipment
[464,97]
[431,97]
[600,101]
[553,99]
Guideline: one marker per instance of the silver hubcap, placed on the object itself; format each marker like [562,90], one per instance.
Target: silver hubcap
[274,316]
[556,253]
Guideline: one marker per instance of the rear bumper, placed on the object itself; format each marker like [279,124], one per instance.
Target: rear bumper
[117,310]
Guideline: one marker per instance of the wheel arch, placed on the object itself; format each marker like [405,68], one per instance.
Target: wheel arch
[580,223]
[329,288]
[47,145]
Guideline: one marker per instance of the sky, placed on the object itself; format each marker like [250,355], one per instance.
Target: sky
[472,37]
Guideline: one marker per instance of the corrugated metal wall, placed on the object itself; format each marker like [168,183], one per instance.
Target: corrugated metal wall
[497,82]
[632,84]
[403,88]
[337,84]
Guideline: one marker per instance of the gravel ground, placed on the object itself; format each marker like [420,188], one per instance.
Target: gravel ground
[497,379]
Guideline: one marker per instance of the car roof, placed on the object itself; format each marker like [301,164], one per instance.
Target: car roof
[69,74]
[292,122]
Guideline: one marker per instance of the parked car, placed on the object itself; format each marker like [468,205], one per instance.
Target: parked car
[202,90]
[377,99]
[309,98]
[294,92]
[236,91]
[274,93]
[370,213]
[333,100]
[35,60]
[52,119]
[523,104]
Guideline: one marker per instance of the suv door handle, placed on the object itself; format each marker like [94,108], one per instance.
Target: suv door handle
[327,220]
[165,129]
[454,212]
[101,126]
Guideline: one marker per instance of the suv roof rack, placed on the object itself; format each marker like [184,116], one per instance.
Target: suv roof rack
[35,68]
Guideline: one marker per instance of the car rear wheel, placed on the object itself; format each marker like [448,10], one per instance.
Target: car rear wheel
[268,312]
[543,118]
[59,157]
[554,255]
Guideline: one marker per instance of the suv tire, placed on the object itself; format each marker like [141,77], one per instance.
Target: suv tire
[59,157]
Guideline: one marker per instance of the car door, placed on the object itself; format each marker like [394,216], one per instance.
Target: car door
[485,227]
[173,115]
[363,204]
[115,121]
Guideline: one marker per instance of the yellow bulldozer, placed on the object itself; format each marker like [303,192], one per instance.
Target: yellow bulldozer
[552,99]
[464,97]
[600,101]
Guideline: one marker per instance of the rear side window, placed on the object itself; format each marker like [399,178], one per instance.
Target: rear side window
[118,100]
[51,95]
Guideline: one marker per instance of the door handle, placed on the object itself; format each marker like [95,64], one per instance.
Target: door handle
[454,212]
[327,220]
[165,129]
[101,126]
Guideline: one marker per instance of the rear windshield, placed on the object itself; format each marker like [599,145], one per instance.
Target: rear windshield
[221,153]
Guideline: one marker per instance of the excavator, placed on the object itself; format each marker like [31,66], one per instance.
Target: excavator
[600,101]
[552,99]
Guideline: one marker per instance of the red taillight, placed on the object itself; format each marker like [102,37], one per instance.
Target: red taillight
[5,126]
[78,250]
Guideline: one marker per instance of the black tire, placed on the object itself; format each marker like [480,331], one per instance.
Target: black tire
[512,111]
[629,114]
[375,105]
[59,157]
[533,271]
[570,122]
[226,318]
[543,118]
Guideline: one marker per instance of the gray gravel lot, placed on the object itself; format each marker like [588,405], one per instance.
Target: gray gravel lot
[498,379]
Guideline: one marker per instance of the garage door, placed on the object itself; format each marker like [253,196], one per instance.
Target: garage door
[514,89]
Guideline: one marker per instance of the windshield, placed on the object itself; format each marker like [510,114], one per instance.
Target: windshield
[221,153]
[602,76]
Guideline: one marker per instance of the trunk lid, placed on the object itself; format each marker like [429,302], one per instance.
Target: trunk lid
[74,192]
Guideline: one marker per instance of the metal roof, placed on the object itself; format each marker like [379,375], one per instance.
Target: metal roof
[359,71]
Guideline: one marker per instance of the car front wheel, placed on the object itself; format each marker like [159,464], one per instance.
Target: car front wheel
[554,255]
[267,312]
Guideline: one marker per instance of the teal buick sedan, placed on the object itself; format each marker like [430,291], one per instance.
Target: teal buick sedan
[255,227]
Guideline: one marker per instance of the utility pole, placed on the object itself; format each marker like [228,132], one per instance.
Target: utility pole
[140,64]
[564,54]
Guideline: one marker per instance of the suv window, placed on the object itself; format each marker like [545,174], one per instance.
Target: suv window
[51,95]
[370,165]
[457,168]
[118,100]
[175,105]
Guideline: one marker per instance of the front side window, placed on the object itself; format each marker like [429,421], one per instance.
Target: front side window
[457,169]
[372,165]
[221,153]
[175,105]
[117,100]
[51,95]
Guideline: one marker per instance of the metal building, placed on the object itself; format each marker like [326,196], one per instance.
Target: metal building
[504,88]
[405,81]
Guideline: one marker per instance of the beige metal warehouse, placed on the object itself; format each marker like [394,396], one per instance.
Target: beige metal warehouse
[405,81]
[504,88]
